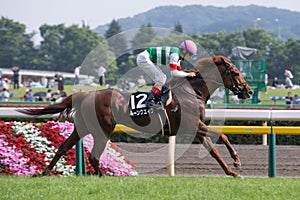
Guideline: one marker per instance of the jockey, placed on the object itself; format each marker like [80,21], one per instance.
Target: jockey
[153,57]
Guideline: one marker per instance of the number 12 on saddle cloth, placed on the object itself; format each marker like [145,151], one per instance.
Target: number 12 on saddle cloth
[137,104]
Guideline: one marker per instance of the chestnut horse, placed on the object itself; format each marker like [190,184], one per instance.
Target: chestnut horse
[98,112]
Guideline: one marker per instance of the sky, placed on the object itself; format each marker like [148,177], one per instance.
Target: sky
[34,13]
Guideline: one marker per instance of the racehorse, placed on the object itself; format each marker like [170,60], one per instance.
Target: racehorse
[98,112]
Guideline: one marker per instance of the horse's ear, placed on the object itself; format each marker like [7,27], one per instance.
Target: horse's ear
[225,60]
[221,60]
[217,59]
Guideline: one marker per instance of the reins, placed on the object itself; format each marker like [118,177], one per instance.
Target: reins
[178,83]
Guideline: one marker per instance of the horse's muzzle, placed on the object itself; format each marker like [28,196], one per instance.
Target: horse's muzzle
[245,93]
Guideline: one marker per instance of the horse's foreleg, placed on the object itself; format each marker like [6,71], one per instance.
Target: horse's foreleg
[62,149]
[207,143]
[224,138]
[233,153]
[205,131]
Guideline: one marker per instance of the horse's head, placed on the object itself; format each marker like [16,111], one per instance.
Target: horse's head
[232,77]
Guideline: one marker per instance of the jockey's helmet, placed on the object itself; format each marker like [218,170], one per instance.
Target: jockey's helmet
[190,46]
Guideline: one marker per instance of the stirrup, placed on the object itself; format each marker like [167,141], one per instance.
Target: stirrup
[153,101]
[153,104]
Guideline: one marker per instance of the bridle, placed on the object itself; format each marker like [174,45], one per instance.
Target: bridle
[236,88]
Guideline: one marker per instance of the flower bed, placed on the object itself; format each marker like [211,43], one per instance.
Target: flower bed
[27,148]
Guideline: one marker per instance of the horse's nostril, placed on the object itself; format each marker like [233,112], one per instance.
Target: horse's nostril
[250,92]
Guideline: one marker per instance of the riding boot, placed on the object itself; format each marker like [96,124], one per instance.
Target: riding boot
[151,100]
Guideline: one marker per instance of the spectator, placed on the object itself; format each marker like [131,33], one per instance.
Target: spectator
[25,96]
[218,96]
[235,99]
[44,82]
[4,95]
[288,73]
[53,97]
[55,78]
[30,95]
[141,81]
[101,75]
[1,84]
[124,85]
[4,83]
[275,83]
[296,99]
[288,82]
[266,79]
[7,82]
[63,95]
[77,74]
[16,70]
[289,98]
[48,95]
[60,82]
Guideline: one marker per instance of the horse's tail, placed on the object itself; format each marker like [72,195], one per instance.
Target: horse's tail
[65,108]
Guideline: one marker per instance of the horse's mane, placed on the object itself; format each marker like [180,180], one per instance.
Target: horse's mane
[204,63]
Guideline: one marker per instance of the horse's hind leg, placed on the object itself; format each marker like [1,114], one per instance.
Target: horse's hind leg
[207,143]
[98,148]
[62,149]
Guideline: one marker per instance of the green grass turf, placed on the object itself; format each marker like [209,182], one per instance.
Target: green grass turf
[147,187]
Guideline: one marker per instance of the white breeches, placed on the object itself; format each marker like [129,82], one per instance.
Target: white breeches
[153,71]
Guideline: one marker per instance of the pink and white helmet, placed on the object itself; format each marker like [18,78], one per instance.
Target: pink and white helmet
[190,46]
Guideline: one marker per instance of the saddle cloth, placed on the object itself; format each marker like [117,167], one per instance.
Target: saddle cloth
[137,102]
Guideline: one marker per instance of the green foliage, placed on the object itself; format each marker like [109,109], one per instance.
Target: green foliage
[143,37]
[64,48]
[116,40]
[16,47]
[173,39]
[148,187]
[113,29]
[178,28]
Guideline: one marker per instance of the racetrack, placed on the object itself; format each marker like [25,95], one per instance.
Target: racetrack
[152,159]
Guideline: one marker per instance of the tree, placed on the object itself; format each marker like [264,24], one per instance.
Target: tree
[116,40]
[293,61]
[16,46]
[142,38]
[113,29]
[260,40]
[178,28]
[64,48]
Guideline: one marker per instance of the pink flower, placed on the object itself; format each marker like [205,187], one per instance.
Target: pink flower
[26,147]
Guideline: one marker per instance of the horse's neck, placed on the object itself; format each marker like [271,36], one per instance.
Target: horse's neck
[204,88]
[207,82]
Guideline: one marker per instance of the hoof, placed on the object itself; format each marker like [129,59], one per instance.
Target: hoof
[237,165]
[37,174]
[239,177]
